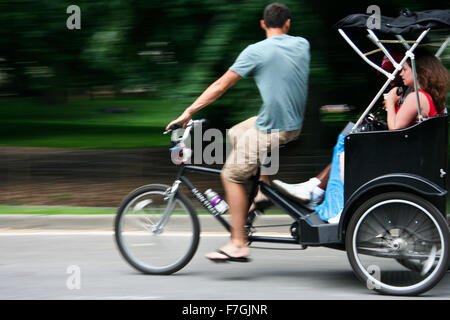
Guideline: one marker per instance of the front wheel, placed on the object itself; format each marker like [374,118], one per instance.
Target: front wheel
[155,235]
[398,244]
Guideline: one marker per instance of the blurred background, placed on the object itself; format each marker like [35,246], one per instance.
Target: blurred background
[82,111]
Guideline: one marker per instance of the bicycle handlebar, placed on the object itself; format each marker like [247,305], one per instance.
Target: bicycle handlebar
[190,124]
[171,128]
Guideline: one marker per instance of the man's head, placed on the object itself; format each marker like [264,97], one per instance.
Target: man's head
[276,16]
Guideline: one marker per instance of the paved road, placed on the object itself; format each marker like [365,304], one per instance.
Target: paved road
[35,260]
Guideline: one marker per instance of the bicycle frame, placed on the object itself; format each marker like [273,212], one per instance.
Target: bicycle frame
[307,228]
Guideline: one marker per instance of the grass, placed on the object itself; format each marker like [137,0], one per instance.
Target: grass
[85,124]
[54,210]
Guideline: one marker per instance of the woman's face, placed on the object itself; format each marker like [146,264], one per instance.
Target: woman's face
[407,75]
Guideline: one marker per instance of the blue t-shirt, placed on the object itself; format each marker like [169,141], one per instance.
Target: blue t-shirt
[280,66]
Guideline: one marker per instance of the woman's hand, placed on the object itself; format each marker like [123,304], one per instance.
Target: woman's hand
[391,98]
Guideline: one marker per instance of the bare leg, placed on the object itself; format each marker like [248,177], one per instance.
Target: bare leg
[264,179]
[237,200]
[323,176]
[259,195]
[236,196]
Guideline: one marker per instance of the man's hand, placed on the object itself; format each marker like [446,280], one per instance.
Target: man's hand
[184,119]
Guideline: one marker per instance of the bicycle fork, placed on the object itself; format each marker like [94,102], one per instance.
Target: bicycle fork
[170,198]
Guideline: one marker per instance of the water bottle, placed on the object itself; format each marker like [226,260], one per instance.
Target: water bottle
[220,204]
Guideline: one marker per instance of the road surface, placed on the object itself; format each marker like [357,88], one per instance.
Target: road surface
[39,255]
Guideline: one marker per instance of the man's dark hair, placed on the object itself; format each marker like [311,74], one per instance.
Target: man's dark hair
[276,15]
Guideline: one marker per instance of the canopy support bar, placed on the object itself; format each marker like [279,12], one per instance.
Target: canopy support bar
[442,48]
[405,44]
[416,86]
[383,48]
[350,42]
[390,76]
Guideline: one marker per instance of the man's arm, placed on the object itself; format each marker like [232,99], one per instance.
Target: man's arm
[211,94]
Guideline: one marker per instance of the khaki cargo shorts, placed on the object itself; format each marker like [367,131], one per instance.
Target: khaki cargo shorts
[250,147]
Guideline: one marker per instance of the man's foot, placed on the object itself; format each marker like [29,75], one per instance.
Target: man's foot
[261,202]
[229,252]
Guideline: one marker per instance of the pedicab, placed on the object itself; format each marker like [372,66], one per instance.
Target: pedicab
[394,225]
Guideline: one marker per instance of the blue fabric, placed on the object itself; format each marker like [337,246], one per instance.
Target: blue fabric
[333,203]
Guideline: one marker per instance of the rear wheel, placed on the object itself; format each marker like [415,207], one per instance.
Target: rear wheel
[398,244]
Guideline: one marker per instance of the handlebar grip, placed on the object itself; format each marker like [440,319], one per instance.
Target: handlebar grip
[171,128]
[191,123]
[174,127]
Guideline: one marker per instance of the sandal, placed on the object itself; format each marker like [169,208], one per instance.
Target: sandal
[228,258]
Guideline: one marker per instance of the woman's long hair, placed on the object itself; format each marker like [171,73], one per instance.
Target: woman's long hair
[432,76]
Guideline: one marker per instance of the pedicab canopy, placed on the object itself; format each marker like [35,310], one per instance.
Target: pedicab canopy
[407,22]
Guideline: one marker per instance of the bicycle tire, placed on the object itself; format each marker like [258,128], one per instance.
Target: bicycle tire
[162,253]
[400,226]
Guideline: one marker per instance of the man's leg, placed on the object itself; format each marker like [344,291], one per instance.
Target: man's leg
[260,197]
[236,196]
[249,148]
[235,192]
[283,137]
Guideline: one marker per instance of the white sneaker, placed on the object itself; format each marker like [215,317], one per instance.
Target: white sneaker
[302,191]
[310,205]
[335,220]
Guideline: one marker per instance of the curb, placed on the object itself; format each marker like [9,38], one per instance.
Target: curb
[105,222]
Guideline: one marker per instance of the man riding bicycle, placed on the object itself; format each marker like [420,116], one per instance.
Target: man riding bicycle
[280,66]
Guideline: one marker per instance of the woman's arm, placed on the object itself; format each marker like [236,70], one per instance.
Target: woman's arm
[408,110]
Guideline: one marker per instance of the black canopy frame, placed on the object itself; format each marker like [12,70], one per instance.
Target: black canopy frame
[406,23]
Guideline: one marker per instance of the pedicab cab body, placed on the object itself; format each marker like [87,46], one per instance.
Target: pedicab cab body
[394,223]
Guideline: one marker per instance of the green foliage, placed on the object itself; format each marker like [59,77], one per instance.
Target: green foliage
[173,50]
[85,123]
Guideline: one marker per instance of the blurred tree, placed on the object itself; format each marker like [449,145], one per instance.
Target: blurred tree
[173,49]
